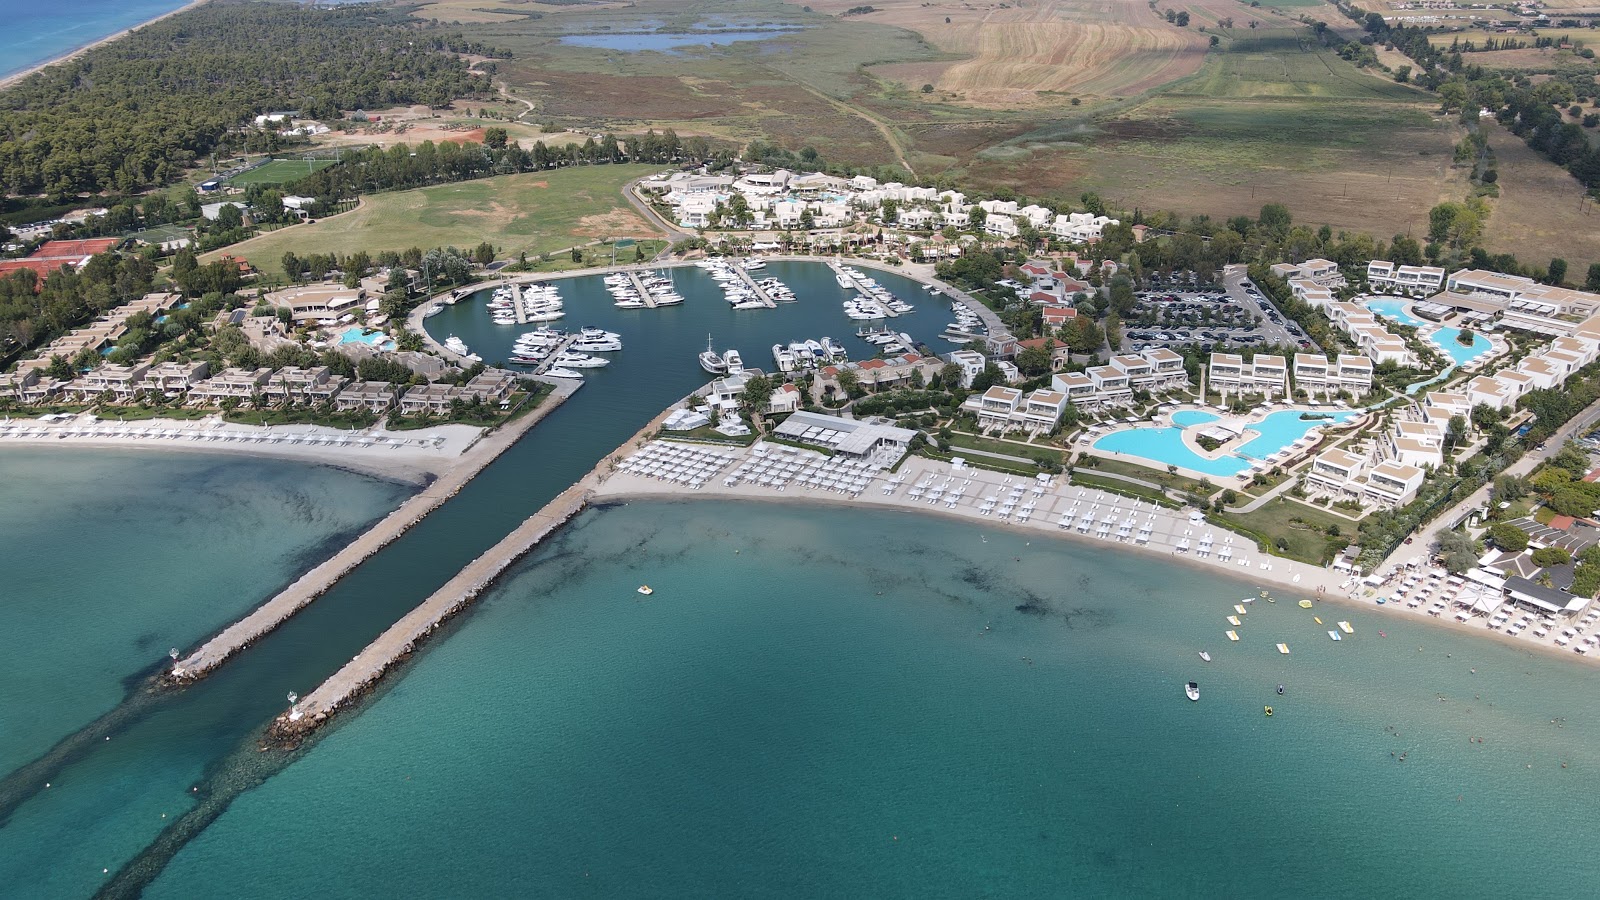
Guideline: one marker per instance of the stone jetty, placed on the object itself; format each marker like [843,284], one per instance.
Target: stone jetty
[377,658]
[319,580]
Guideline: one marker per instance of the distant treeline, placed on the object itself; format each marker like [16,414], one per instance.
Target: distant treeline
[404,166]
[140,110]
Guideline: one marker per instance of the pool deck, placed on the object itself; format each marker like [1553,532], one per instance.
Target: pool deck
[1235,422]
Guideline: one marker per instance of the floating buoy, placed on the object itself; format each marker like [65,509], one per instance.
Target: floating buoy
[1269,711]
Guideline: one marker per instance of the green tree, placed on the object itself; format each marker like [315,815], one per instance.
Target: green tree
[1508,537]
[1458,551]
[1557,273]
[757,394]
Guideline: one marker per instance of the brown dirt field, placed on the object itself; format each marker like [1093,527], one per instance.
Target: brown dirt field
[1537,215]
[1545,59]
[617,223]
[1013,52]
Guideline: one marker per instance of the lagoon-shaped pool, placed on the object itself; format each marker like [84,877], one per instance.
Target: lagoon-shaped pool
[671,42]
[1394,309]
[1165,447]
[1448,340]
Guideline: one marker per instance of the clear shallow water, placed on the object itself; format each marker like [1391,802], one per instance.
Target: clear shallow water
[1448,340]
[666,42]
[37,32]
[1280,429]
[105,808]
[113,557]
[809,705]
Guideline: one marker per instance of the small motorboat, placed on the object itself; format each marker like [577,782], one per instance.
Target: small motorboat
[646,590]
[1269,712]
[1192,690]
[1205,656]
[1280,689]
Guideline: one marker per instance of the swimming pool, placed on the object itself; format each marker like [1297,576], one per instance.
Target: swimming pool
[1165,447]
[1446,340]
[355,334]
[1192,417]
[1393,308]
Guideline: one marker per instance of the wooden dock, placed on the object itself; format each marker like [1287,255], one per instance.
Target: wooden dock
[313,584]
[401,638]
[862,289]
[644,294]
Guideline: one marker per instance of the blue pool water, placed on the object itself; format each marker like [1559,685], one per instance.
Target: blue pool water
[670,43]
[358,335]
[1446,339]
[1281,429]
[1192,417]
[1165,446]
[1394,308]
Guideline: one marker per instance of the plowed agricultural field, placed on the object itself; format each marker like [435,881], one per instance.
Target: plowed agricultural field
[1010,55]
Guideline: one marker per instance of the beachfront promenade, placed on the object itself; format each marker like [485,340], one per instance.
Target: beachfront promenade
[320,579]
[989,499]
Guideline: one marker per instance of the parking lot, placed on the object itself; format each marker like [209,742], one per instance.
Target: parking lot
[1179,314]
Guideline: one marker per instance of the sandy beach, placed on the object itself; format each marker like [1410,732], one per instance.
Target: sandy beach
[9,80]
[1181,536]
[412,456]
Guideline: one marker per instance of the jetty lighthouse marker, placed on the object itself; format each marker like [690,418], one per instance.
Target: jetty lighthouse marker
[294,707]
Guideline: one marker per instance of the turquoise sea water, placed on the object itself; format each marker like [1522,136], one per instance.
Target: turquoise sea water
[773,724]
[37,32]
[837,703]
[114,557]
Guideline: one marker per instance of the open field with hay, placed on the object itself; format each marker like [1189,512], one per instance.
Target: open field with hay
[1541,212]
[534,213]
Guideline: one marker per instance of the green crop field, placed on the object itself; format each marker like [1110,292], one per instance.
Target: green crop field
[279,171]
[533,213]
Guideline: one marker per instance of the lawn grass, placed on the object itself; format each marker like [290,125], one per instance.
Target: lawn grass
[1307,541]
[535,213]
[1087,478]
[1159,476]
[279,171]
[974,442]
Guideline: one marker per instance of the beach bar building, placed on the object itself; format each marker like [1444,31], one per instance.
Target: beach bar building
[855,438]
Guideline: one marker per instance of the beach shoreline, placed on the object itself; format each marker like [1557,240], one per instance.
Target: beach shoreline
[9,80]
[620,487]
[413,457]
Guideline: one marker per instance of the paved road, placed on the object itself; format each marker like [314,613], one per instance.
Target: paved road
[673,233]
[1424,542]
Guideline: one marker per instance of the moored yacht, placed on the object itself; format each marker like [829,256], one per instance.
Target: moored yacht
[712,361]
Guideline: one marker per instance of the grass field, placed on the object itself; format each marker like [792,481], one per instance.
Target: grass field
[1540,213]
[1305,540]
[533,213]
[279,171]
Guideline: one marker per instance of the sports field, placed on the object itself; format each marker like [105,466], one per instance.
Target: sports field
[279,171]
[535,212]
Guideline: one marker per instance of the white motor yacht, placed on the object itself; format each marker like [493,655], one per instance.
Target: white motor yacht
[712,361]
[563,372]
[579,360]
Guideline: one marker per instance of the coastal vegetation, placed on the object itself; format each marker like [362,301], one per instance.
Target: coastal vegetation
[142,110]
[34,310]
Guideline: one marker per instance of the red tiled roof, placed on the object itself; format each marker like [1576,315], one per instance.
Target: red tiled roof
[1592,476]
[911,357]
[872,364]
[1562,523]
[1043,297]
